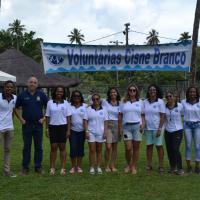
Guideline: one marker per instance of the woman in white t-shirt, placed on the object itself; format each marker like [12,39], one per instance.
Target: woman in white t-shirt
[113,135]
[58,127]
[132,118]
[191,108]
[77,133]
[154,111]
[174,133]
[96,132]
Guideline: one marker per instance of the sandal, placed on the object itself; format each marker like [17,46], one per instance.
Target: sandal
[62,172]
[72,170]
[79,170]
[52,171]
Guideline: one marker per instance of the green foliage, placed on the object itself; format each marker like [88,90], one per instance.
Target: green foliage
[76,36]
[152,38]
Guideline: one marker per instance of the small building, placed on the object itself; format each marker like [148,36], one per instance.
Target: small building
[16,63]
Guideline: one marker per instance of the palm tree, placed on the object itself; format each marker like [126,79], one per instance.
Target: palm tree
[195,40]
[16,29]
[76,36]
[152,38]
[184,37]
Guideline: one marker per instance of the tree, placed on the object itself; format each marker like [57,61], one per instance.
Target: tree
[184,37]
[152,38]
[76,36]
[5,40]
[16,29]
[195,40]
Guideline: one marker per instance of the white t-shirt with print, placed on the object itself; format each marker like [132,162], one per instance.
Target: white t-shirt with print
[174,118]
[58,112]
[78,115]
[113,110]
[191,111]
[132,111]
[96,119]
[152,113]
[6,110]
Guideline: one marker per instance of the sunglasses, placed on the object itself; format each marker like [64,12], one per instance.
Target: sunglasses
[132,90]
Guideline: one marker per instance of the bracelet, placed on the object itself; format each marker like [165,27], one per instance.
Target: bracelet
[87,131]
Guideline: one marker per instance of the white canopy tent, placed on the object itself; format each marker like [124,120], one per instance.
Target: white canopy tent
[5,77]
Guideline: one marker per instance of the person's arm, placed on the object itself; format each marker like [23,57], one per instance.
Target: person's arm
[17,113]
[142,124]
[68,125]
[85,125]
[47,126]
[120,116]
[45,100]
[105,133]
[162,121]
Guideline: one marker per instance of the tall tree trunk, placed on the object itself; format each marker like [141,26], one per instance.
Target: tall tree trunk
[195,40]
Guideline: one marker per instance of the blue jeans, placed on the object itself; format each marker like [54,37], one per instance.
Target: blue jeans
[30,130]
[192,132]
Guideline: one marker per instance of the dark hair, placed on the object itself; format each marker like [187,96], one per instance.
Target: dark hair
[73,94]
[8,82]
[188,91]
[127,97]
[54,93]
[174,94]
[158,91]
[118,98]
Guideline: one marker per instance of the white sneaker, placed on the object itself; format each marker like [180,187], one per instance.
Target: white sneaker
[92,171]
[99,170]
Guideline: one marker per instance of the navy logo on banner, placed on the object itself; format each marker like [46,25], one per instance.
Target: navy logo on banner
[55,59]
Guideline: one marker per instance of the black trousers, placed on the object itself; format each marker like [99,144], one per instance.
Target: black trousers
[173,141]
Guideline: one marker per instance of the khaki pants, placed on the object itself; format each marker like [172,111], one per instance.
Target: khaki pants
[6,140]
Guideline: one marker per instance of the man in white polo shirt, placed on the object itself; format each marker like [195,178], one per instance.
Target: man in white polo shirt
[7,104]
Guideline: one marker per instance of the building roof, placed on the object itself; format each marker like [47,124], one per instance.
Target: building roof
[16,63]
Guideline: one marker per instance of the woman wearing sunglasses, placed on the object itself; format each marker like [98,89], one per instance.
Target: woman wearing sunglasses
[154,111]
[96,130]
[112,105]
[77,134]
[174,133]
[191,108]
[131,116]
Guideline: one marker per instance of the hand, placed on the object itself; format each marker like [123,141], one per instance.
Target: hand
[158,133]
[47,133]
[104,136]
[68,133]
[87,135]
[120,134]
[41,120]
[23,121]
[141,129]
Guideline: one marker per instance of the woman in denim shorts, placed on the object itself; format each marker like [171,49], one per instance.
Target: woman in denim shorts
[154,111]
[191,107]
[131,116]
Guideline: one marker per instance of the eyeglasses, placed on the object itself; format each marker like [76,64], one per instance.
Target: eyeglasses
[132,90]
[77,96]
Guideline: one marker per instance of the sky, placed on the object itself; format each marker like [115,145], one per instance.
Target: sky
[53,20]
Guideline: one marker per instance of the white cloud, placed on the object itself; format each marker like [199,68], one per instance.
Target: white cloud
[54,19]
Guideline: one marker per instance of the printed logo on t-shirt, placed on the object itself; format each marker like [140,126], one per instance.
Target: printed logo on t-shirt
[154,106]
[101,113]
[81,110]
[176,110]
[62,108]
[137,105]
[198,105]
[38,98]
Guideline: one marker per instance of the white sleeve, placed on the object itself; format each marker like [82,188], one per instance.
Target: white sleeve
[68,109]
[162,106]
[106,114]
[85,114]
[181,109]
[48,110]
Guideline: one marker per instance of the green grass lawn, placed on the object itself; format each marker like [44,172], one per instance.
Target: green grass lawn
[106,186]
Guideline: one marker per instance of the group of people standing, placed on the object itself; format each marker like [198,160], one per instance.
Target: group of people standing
[101,121]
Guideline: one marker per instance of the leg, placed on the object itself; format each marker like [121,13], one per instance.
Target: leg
[149,154]
[107,155]
[73,149]
[129,152]
[169,147]
[62,148]
[8,136]
[38,153]
[53,155]
[92,153]
[197,148]
[177,138]
[99,153]
[113,157]
[160,152]
[135,157]
[27,139]
[80,148]
[188,142]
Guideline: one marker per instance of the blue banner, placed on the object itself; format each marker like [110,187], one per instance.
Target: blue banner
[83,58]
